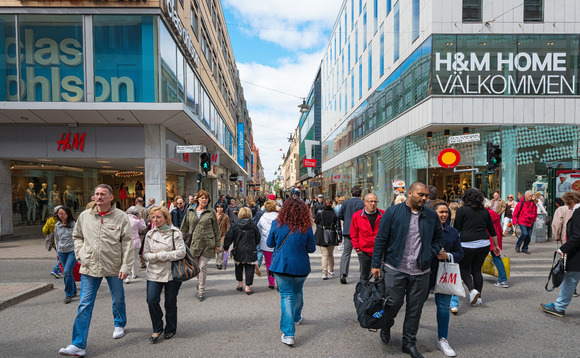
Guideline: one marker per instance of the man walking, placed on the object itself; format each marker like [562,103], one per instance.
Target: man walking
[104,246]
[348,208]
[318,205]
[525,215]
[222,201]
[363,231]
[410,235]
[178,213]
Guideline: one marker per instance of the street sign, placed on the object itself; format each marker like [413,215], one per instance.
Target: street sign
[467,138]
[234,177]
[189,149]
[449,158]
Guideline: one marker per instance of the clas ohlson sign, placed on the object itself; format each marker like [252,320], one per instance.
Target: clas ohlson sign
[512,66]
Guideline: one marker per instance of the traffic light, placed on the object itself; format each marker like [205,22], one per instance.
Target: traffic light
[493,156]
[205,162]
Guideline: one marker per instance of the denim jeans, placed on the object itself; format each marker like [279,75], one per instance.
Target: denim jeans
[56,268]
[501,275]
[454,302]
[567,290]
[525,237]
[260,255]
[68,261]
[153,299]
[89,287]
[291,302]
[442,302]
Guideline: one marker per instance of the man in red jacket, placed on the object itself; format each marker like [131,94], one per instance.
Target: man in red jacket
[525,215]
[363,231]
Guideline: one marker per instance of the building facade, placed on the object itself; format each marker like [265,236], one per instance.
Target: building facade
[400,78]
[104,92]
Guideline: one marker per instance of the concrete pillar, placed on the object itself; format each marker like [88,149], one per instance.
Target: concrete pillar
[5,198]
[155,165]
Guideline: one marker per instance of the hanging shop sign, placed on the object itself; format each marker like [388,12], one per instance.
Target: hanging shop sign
[466,138]
[241,142]
[449,158]
[309,163]
[189,149]
[398,187]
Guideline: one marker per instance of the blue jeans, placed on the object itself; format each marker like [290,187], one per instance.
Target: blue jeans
[442,302]
[567,290]
[501,275]
[153,299]
[89,287]
[291,302]
[454,302]
[260,255]
[525,237]
[68,261]
[56,268]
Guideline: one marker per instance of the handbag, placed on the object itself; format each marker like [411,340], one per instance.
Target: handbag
[448,281]
[49,241]
[185,268]
[489,268]
[369,302]
[326,236]
[557,273]
[226,256]
[270,273]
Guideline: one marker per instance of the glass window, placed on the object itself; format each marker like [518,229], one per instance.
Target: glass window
[52,67]
[375,15]
[471,10]
[382,51]
[192,100]
[351,14]
[360,87]
[356,42]
[533,10]
[360,6]
[348,55]
[365,29]
[194,19]
[352,90]
[416,18]
[345,26]
[125,58]
[168,66]
[388,6]
[370,63]
[396,33]
[8,72]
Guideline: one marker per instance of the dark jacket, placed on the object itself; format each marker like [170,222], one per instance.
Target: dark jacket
[224,203]
[393,232]
[245,236]
[572,247]
[326,217]
[177,216]
[233,213]
[348,208]
[316,207]
[474,224]
[292,258]
[452,246]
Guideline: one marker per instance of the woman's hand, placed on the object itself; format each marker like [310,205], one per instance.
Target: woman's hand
[442,255]
[496,251]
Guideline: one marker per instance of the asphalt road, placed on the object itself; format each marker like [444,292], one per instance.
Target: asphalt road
[233,324]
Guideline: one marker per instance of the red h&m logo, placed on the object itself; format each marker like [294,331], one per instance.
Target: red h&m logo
[78,143]
[451,278]
[186,157]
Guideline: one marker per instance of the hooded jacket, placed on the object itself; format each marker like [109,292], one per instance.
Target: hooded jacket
[264,225]
[525,213]
[245,236]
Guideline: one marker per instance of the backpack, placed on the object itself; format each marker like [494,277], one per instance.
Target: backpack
[369,301]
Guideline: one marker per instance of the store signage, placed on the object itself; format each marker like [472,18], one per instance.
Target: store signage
[448,158]
[466,138]
[181,31]
[78,142]
[309,163]
[234,177]
[399,187]
[215,159]
[241,143]
[537,73]
[189,149]
[252,165]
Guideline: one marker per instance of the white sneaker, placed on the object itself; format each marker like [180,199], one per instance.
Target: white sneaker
[341,247]
[118,332]
[443,345]
[454,310]
[473,296]
[135,275]
[479,301]
[331,273]
[287,340]
[127,280]
[73,351]
[299,321]
[324,276]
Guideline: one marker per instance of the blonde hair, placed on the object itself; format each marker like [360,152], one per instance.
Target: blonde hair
[270,206]
[164,212]
[453,206]
[245,213]
[400,199]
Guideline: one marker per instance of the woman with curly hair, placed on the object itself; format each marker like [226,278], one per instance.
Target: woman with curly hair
[475,227]
[292,238]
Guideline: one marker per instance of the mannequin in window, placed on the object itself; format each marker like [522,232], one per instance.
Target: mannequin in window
[43,201]
[123,197]
[539,185]
[138,189]
[31,203]
[70,198]
[54,197]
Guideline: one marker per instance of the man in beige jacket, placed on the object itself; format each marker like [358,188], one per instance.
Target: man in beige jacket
[498,204]
[104,246]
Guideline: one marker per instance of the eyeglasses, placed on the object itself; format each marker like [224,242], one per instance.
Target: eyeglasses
[510,197]
[372,201]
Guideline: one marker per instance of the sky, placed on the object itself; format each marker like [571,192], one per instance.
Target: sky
[277,44]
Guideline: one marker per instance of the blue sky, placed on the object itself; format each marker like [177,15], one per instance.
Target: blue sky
[277,44]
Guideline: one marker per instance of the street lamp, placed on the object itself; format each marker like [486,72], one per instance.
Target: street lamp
[304,108]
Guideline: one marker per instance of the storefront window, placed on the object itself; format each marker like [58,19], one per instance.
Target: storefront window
[52,61]
[169,89]
[8,74]
[192,91]
[125,58]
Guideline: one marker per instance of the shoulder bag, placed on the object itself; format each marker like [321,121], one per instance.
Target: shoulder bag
[185,268]
[270,273]
[556,273]
[326,236]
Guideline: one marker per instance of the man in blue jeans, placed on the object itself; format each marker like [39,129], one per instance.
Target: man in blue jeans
[104,246]
[525,215]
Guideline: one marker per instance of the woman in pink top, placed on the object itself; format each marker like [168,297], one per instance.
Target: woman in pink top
[137,224]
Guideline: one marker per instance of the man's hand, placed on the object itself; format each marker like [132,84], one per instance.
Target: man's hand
[376,273]
[123,275]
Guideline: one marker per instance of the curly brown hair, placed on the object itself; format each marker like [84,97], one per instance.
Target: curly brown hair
[296,215]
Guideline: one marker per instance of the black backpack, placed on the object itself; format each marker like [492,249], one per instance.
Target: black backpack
[369,301]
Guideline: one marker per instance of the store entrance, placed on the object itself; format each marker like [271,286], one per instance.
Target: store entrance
[450,184]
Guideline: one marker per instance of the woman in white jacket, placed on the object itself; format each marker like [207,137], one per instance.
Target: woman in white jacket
[264,226]
[163,244]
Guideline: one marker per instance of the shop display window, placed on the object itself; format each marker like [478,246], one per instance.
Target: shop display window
[8,83]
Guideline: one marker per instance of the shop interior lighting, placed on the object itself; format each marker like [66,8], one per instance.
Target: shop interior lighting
[103,161]
[429,135]
[127,173]
[465,130]
[44,160]
[446,133]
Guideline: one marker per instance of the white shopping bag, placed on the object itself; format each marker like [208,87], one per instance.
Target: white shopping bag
[448,281]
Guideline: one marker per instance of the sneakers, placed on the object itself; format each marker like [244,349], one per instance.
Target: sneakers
[55,275]
[127,280]
[331,273]
[67,300]
[201,297]
[454,310]
[287,340]
[575,293]
[473,296]
[479,302]
[443,345]
[503,284]
[324,276]
[343,279]
[299,321]
[551,309]
[72,351]
[134,276]
[118,332]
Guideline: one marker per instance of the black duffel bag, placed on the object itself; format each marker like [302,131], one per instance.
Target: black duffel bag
[369,301]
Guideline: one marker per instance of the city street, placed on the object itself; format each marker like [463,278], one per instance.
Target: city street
[232,324]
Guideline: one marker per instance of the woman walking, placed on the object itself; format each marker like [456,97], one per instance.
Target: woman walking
[65,248]
[497,261]
[451,247]
[163,244]
[202,223]
[264,225]
[47,229]
[510,205]
[224,224]
[245,236]
[475,227]
[292,239]
[137,224]
[326,219]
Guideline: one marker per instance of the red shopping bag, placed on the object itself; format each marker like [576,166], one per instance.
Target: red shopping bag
[76,272]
